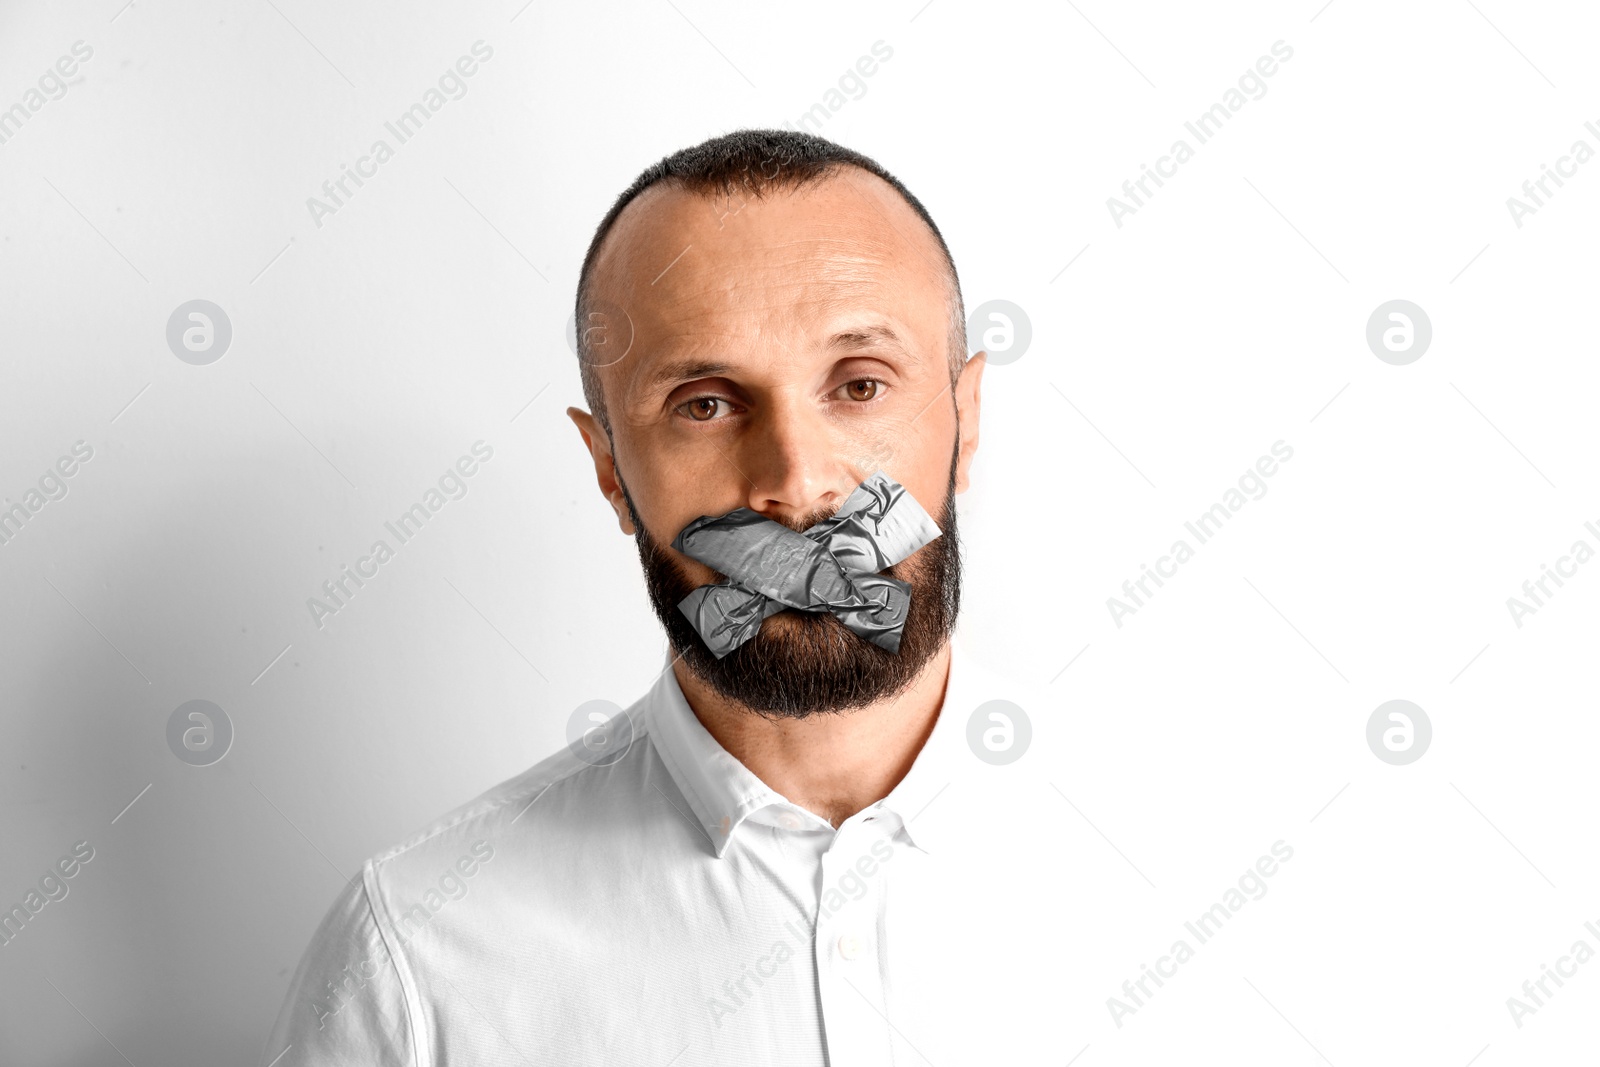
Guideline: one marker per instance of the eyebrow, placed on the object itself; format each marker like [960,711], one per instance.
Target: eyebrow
[873,336]
[686,370]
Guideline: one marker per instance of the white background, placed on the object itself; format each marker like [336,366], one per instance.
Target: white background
[428,313]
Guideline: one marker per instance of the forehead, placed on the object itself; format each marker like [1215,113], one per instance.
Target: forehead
[692,270]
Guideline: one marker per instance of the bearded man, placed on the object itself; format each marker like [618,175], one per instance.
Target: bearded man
[766,859]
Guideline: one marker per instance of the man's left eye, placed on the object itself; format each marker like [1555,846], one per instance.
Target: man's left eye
[862,389]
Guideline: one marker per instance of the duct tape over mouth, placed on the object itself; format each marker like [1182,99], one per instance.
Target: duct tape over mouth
[833,566]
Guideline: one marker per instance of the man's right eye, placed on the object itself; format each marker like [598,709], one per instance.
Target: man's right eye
[702,408]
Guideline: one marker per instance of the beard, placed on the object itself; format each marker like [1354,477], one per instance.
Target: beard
[803,663]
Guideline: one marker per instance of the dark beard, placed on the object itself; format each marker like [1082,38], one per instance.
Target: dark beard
[804,663]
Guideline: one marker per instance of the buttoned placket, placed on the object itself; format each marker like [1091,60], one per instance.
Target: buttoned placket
[851,957]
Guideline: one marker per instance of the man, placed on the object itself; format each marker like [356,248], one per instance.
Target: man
[757,863]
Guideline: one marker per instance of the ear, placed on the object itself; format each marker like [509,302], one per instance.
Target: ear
[598,442]
[969,395]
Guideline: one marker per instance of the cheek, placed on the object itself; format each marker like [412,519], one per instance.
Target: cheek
[673,487]
[913,450]
[877,454]
[887,444]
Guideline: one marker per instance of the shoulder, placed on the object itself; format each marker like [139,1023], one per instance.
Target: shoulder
[355,996]
[523,818]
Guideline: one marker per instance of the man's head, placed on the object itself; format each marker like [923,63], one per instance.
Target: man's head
[764,320]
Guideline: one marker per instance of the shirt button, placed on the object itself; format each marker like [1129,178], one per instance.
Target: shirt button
[790,820]
[849,946]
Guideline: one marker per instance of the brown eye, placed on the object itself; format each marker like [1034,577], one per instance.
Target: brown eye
[703,408]
[865,389]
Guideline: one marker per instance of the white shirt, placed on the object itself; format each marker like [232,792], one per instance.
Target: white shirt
[660,911]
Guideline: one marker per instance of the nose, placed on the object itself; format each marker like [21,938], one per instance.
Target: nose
[793,464]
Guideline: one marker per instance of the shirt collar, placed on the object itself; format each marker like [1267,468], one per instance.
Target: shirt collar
[919,799]
[722,793]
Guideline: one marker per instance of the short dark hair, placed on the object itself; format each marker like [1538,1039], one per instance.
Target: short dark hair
[754,163]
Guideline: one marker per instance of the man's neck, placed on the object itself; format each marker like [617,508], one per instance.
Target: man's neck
[831,765]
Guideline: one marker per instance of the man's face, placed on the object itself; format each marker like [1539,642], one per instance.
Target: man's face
[782,351]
